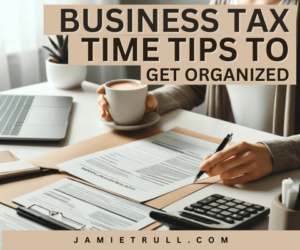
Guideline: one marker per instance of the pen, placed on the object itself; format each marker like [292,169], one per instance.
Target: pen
[222,145]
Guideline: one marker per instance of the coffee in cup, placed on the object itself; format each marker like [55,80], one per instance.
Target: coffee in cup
[126,100]
[126,85]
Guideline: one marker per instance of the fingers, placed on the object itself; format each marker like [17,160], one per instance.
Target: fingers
[101,98]
[101,90]
[239,163]
[103,105]
[207,157]
[235,172]
[151,103]
[241,174]
[108,116]
[102,101]
[239,180]
[102,112]
[224,154]
[232,162]
[105,114]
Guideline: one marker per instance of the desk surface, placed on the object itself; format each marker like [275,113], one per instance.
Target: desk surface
[85,123]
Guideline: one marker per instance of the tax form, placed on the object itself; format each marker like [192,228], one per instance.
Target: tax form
[96,209]
[10,220]
[144,169]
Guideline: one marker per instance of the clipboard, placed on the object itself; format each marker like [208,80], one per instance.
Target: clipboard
[10,191]
[49,218]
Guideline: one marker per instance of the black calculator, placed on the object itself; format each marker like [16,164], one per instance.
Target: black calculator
[215,212]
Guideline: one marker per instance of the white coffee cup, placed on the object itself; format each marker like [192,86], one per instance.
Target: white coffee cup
[126,107]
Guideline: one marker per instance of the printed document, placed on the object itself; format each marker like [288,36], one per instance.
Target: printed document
[10,220]
[96,209]
[144,169]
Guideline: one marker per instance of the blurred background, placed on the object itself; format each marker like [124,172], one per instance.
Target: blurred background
[22,58]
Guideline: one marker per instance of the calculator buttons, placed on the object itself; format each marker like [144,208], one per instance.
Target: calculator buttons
[223,207]
[211,198]
[244,213]
[230,204]
[189,208]
[228,198]
[251,210]
[259,208]
[229,220]
[240,207]
[225,213]
[220,217]
[218,196]
[207,200]
[216,210]
[233,210]
[238,201]
[236,217]
[196,205]
[209,213]
[199,211]
[204,201]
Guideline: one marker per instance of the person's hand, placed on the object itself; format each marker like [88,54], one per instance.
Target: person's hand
[239,163]
[151,104]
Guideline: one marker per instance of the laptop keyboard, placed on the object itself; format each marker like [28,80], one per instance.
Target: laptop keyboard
[13,112]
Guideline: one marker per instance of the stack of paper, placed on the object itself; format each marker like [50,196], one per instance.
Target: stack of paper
[16,168]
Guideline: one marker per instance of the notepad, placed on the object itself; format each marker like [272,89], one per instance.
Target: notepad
[16,168]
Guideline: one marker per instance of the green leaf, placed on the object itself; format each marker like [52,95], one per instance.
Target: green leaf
[60,40]
[51,51]
[64,49]
[65,45]
[67,57]
[53,43]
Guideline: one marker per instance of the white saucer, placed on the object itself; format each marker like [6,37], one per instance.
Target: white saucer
[147,121]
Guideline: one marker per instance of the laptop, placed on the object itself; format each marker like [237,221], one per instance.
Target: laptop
[34,117]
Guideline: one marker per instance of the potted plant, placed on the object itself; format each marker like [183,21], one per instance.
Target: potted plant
[59,73]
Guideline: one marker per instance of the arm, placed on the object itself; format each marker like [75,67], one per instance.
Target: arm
[285,153]
[164,99]
[178,97]
[243,162]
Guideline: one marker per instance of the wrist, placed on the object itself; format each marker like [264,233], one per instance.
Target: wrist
[280,156]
